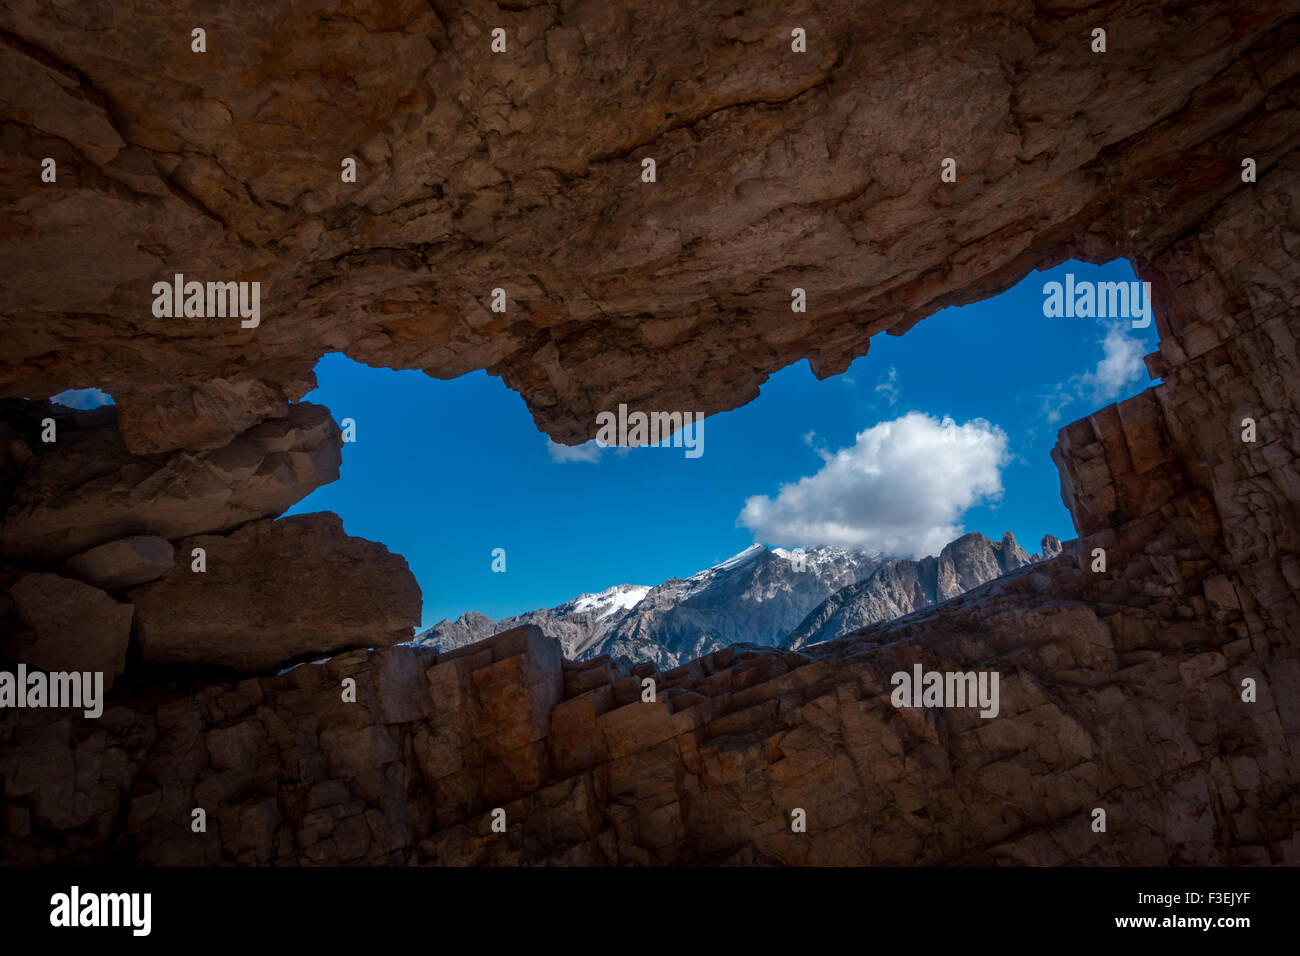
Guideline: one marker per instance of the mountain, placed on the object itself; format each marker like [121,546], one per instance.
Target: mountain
[756,596]
[759,596]
[901,587]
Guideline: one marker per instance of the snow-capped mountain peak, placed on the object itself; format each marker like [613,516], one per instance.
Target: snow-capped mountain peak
[757,596]
[778,596]
[736,560]
[621,597]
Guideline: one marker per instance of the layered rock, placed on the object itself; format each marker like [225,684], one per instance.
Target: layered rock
[86,488]
[123,563]
[207,415]
[263,594]
[1097,708]
[274,591]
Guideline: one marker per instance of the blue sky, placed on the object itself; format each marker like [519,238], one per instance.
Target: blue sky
[443,472]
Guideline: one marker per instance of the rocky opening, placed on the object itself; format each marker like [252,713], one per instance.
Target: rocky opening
[1121,689]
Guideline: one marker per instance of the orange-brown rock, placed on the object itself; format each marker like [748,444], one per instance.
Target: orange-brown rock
[521,171]
[1099,708]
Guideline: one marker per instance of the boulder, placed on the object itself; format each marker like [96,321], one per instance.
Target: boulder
[274,592]
[207,415]
[124,563]
[66,625]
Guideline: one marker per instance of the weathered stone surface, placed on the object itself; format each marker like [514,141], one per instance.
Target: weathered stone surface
[123,563]
[58,624]
[208,415]
[1099,706]
[274,591]
[775,170]
[87,488]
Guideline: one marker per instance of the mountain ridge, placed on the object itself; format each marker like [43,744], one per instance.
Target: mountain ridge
[898,588]
[757,596]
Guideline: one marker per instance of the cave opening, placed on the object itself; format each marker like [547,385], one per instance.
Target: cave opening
[931,437]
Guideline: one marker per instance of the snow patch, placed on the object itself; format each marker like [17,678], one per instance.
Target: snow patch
[621,597]
[736,560]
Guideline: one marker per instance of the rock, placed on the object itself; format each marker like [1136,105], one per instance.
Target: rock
[1010,554]
[1051,547]
[123,563]
[769,163]
[87,489]
[470,628]
[68,626]
[973,560]
[209,415]
[437,742]
[273,592]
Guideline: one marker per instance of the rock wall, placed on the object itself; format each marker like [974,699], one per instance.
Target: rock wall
[179,551]
[522,171]
[1121,689]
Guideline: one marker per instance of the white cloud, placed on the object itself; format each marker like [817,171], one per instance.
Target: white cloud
[810,440]
[1056,399]
[902,488]
[1121,363]
[588,451]
[83,398]
[888,389]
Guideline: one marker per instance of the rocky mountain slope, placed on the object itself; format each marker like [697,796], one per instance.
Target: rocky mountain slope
[901,587]
[759,596]
[756,596]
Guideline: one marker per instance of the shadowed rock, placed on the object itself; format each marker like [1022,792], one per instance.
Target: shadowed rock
[274,591]
[775,170]
[123,563]
[1121,688]
[87,488]
[64,625]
